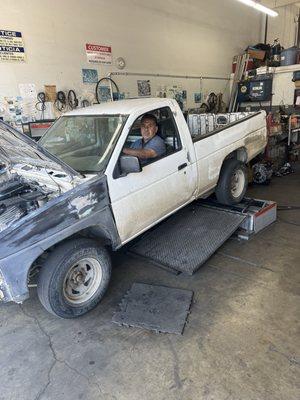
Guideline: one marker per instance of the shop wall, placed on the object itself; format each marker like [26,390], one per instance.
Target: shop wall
[184,37]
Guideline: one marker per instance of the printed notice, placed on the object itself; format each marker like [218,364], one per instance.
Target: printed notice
[98,54]
[27,90]
[11,46]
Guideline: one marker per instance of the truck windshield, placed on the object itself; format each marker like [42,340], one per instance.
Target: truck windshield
[85,142]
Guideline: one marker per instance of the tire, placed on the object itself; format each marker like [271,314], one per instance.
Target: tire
[233,182]
[74,278]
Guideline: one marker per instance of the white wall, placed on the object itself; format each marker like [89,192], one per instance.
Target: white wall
[284,26]
[174,36]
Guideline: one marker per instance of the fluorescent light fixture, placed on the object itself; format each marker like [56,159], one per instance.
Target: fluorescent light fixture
[259,7]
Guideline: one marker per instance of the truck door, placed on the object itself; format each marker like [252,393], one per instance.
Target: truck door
[139,200]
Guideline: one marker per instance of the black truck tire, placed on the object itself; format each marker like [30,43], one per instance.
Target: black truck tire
[233,182]
[74,278]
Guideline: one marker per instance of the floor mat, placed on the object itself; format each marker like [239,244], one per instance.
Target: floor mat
[157,308]
[188,238]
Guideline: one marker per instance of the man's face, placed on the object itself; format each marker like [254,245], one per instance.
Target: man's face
[148,129]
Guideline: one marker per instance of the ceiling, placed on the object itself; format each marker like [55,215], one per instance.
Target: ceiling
[279,3]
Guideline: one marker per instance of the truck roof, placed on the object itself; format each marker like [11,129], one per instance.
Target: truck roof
[123,107]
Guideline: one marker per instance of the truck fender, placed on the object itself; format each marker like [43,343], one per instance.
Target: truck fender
[240,154]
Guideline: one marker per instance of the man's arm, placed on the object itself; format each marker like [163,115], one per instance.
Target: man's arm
[140,153]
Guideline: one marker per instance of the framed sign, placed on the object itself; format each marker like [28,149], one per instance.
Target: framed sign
[11,46]
[99,54]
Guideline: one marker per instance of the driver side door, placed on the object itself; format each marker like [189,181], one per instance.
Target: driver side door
[140,200]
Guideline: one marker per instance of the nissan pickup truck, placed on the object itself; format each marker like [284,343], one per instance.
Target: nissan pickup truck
[71,198]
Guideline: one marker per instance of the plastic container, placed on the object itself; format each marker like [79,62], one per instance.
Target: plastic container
[296,76]
[289,56]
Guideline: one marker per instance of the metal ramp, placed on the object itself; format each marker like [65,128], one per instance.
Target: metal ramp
[188,238]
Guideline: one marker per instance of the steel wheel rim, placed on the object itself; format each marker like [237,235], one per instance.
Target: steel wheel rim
[82,281]
[237,183]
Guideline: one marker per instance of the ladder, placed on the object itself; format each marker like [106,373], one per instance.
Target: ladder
[241,68]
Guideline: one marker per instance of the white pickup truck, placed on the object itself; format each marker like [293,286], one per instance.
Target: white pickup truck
[67,199]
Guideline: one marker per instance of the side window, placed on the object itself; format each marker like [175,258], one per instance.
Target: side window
[134,133]
[167,130]
[168,143]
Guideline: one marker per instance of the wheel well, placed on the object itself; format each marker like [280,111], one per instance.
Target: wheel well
[94,232]
[239,154]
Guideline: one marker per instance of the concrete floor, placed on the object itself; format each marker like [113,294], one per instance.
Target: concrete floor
[241,341]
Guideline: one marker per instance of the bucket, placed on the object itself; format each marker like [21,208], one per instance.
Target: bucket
[289,56]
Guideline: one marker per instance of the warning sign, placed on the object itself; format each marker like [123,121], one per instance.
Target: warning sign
[11,46]
[98,54]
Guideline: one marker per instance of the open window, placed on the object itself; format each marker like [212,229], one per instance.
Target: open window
[167,130]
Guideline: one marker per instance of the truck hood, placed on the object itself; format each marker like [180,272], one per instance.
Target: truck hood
[18,149]
[29,177]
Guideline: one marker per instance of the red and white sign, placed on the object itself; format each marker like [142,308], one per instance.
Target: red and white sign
[98,54]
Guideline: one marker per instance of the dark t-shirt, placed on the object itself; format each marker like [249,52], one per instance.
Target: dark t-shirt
[156,143]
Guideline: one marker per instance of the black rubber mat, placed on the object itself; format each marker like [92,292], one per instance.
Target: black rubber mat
[157,308]
[188,238]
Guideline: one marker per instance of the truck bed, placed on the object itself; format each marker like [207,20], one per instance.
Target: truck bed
[203,124]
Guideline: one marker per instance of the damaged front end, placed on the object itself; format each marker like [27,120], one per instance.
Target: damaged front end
[42,203]
[18,198]
[29,179]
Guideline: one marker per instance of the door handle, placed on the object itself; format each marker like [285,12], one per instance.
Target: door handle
[182,166]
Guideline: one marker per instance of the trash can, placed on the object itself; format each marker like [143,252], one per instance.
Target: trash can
[289,56]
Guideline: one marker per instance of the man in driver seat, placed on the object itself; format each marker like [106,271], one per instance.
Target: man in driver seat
[150,146]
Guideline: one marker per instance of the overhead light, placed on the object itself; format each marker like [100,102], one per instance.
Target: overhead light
[259,7]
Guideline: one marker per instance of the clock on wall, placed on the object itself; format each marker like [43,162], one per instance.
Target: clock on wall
[120,63]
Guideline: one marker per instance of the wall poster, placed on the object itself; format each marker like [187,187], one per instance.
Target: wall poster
[104,94]
[144,88]
[89,75]
[197,97]
[11,46]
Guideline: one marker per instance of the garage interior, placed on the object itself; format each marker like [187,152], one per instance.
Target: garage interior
[238,337]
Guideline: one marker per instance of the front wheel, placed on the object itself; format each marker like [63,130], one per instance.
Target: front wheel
[74,278]
[232,183]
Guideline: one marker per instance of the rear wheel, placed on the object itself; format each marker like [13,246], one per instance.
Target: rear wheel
[232,183]
[74,278]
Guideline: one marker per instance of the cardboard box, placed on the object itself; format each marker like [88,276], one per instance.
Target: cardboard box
[256,54]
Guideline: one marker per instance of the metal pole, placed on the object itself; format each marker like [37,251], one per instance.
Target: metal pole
[290,130]
[298,33]
[266,28]
[217,78]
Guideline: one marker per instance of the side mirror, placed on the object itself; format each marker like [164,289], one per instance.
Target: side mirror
[129,165]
